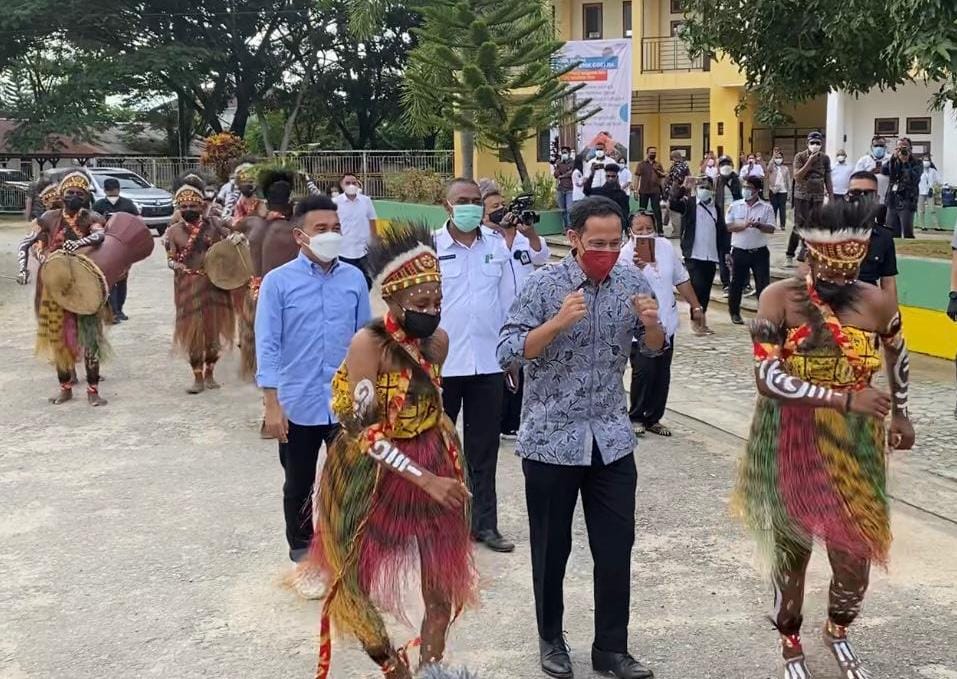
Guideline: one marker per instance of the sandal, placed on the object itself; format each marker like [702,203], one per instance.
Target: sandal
[659,429]
[851,666]
[638,428]
[796,668]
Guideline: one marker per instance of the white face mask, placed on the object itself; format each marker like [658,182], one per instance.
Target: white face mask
[599,154]
[113,199]
[326,246]
[351,190]
[813,147]
[926,163]
[778,161]
[841,159]
[725,170]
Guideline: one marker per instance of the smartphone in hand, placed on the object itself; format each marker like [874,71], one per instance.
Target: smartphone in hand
[645,250]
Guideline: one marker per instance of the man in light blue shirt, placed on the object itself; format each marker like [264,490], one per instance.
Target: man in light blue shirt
[308,311]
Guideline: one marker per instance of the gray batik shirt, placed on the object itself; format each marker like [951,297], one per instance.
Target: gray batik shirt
[574,391]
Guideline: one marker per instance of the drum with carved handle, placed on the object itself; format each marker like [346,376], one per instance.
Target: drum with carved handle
[80,281]
[228,264]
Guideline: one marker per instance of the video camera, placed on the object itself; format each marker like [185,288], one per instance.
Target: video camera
[521,209]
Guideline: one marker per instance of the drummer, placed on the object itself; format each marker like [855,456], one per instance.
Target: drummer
[62,336]
[205,321]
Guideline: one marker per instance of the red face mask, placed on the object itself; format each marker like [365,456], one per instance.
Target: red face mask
[597,264]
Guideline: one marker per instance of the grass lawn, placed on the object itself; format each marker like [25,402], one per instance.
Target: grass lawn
[936,248]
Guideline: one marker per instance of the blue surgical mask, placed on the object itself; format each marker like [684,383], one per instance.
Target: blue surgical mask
[878,151]
[467,217]
[748,194]
[704,195]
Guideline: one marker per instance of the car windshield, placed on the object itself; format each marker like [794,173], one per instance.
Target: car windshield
[127,180]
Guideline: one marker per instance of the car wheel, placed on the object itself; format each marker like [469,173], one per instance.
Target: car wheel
[160,229]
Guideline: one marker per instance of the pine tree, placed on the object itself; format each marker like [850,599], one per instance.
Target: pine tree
[486,67]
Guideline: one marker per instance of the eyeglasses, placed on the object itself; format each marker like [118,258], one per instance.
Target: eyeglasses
[855,195]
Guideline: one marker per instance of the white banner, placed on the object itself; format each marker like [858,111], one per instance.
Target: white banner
[605,68]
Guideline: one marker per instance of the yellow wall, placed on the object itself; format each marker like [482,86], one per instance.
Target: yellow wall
[487,163]
[612,23]
[657,132]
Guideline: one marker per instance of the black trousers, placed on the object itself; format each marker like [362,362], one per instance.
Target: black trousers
[743,264]
[806,210]
[479,398]
[702,278]
[118,296]
[650,383]
[298,457]
[779,202]
[608,499]
[655,200]
[901,222]
[512,406]
[362,265]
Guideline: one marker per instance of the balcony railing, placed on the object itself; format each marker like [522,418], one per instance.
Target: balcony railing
[661,55]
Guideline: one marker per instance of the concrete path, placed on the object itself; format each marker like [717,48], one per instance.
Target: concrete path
[145,539]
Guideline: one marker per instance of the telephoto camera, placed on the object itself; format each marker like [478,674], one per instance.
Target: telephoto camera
[521,209]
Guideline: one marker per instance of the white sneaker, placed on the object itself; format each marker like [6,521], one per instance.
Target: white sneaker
[308,582]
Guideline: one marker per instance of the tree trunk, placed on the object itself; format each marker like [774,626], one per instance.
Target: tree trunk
[264,130]
[291,120]
[468,154]
[516,151]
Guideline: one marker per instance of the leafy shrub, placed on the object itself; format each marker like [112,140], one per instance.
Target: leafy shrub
[543,188]
[415,186]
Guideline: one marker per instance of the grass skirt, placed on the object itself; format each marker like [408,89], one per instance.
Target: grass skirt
[204,315]
[814,473]
[399,530]
[247,335]
[64,337]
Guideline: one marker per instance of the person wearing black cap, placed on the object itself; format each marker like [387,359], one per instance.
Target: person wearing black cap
[812,181]
[611,189]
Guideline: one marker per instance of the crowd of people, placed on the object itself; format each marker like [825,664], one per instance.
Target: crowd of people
[373,340]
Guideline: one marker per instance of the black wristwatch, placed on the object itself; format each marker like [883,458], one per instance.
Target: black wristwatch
[953,295]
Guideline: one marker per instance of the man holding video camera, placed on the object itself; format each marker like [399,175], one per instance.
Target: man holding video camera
[610,189]
[515,223]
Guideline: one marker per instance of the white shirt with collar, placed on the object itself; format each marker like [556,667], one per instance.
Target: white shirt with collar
[841,176]
[624,178]
[665,274]
[475,282]
[705,247]
[355,215]
[751,238]
[522,261]
[870,164]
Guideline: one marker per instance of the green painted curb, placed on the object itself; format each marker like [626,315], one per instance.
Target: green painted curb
[923,282]
[435,215]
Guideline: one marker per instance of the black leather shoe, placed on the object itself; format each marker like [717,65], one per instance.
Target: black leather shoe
[555,660]
[494,541]
[620,665]
[737,320]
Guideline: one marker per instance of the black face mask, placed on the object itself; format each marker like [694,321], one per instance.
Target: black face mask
[497,216]
[652,156]
[74,203]
[190,215]
[420,325]
[247,191]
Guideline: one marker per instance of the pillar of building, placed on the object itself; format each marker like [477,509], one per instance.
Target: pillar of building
[945,158]
[835,134]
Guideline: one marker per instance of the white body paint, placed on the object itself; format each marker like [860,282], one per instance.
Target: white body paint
[786,386]
[391,456]
[363,398]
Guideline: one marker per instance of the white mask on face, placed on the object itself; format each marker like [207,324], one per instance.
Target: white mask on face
[926,163]
[778,161]
[599,154]
[725,170]
[326,246]
[841,159]
[113,199]
[813,147]
[351,190]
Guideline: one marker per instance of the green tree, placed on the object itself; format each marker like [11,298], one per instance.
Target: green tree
[794,50]
[485,67]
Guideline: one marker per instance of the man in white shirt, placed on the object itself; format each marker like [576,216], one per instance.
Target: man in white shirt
[596,166]
[475,281]
[841,172]
[752,168]
[749,220]
[874,162]
[624,176]
[528,250]
[358,219]
[779,186]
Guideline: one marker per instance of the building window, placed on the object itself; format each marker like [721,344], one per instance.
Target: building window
[626,17]
[889,127]
[636,140]
[681,130]
[918,126]
[920,148]
[676,7]
[676,28]
[592,21]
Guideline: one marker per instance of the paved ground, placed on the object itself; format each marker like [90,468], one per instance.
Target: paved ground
[145,539]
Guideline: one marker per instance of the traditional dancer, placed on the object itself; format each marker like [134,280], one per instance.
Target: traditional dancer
[205,321]
[392,491]
[815,462]
[243,201]
[62,336]
[276,184]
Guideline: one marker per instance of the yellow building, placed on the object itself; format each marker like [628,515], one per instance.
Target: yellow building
[678,102]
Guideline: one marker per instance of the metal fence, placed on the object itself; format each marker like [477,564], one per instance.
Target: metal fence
[12,199]
[325,167]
